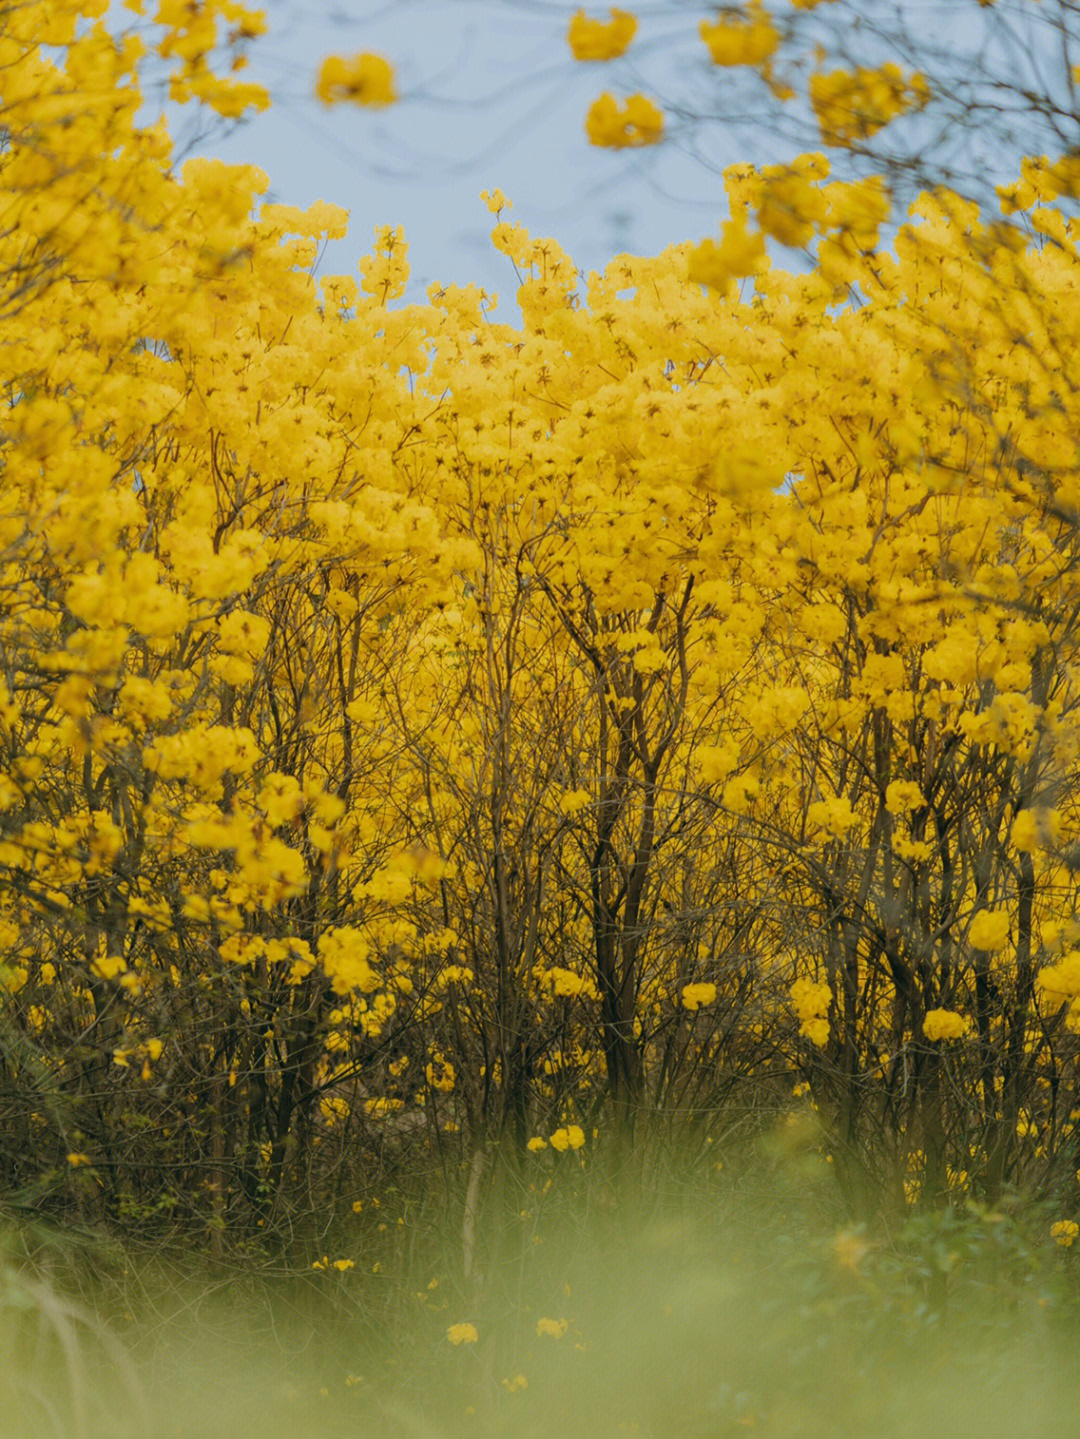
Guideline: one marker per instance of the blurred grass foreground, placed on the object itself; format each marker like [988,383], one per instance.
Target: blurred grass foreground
[743,1306]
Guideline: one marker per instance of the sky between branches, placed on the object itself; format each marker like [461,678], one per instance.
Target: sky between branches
[491,97]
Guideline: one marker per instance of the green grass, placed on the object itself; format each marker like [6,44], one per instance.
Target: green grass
[740,1319]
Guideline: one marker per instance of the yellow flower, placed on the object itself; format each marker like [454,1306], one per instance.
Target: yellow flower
[440,1073]
[1033,828]
[462,1334]
[108,967]
[740,792]
[739,253]
[572,801]
[343,1264]
[1065,1232]
[903,795]
[637,122]
[816,1030]
[696,995]
[536,1144]
[855,105]
[598,39]
[552,1328]
[363,79]
[811,1000]
[715,762]
[572,1137]
[989,930]
[746,39]
[831,817]
[333,1108]
[565,984]
[944,1024]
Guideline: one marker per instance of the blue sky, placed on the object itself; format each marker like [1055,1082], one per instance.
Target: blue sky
[490,98]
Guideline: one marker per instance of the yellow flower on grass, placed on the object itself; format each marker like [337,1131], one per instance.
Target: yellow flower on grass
[552,1328]
[536,1144]
[364,79]
[462,1334]
[1065,1232]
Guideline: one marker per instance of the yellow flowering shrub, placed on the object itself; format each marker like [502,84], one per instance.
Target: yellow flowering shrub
[400,706]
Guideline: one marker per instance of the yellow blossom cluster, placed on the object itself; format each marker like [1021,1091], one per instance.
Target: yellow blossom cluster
[363,79]
[572,1137]
[694,996]
[812,999]
[601,39]
[741,37]
[944,1024]
[614,126]
[853,105]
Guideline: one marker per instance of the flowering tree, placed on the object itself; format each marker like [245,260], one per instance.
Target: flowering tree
[460,756]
